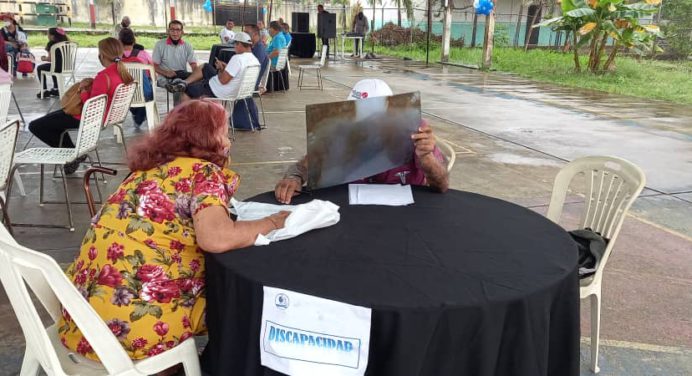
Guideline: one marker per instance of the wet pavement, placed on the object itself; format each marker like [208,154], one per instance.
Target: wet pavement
[511,137]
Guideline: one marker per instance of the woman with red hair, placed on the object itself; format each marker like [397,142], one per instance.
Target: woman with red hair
[141,264]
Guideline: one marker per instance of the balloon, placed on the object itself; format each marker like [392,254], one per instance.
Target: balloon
[484,7]
[207,6]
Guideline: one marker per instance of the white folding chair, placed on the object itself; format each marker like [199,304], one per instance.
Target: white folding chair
[260,90]
[8,142]
[280,65]
[612,185]
[24,271]
[318,71]
[87,140]
[5,99]
[120,107]
[248,79]
[68,52]
[138,72]
[288,59]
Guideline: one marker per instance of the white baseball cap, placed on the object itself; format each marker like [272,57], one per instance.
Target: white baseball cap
[369,88]
[242,37]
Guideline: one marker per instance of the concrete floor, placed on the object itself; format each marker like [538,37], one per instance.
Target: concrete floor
[511,137]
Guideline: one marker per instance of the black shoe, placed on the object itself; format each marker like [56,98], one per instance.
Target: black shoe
[54,93]
[46,94]
[71,167]
[176,86]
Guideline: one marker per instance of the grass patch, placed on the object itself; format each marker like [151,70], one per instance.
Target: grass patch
[669,81]
[199,42]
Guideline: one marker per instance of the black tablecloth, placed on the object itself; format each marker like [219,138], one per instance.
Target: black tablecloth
[303,45]
[458,283]
[223,51]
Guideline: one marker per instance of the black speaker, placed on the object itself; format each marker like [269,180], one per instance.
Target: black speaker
[300,22]
[326,25]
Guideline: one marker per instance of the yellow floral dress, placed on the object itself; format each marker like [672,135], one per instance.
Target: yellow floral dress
[139,265]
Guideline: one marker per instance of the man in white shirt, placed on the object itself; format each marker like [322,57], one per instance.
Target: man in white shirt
[227,33]
[222,82]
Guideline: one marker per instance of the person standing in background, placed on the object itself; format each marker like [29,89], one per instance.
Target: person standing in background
[360,27]
[320,10]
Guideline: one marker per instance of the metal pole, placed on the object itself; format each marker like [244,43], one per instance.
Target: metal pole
[427,44]
[271,6]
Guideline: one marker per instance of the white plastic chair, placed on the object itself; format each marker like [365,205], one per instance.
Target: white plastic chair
[288,59]
[612,185]
[68,51]
[137,71]
[318,71]
[23,270]
[280,65]
[260,90]
[10,63]
[449,153]
[5,100]
[8,142]
[248,79]
[87,140]
[120,107]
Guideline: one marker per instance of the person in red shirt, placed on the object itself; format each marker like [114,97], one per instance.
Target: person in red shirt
[427,167]
[49,127]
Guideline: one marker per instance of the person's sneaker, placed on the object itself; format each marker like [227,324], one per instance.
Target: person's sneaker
[176,86]
[46,94]
[71,167]
[54,93]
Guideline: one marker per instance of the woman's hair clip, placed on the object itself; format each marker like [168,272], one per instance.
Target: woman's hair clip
[117,59]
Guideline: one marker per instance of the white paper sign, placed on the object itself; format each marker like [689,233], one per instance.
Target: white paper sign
[307,335]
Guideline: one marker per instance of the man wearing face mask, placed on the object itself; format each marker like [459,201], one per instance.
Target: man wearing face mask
[172,55]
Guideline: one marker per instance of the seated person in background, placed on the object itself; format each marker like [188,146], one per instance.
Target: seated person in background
[172,55]
[124,24]
[133,54]
[227,34]
[426,168]
[55,35]
[15,38]
[50,127]
[246,109]
[222,81]
[178,193]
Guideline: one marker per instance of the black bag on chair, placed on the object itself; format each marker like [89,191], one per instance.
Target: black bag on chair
[591,247]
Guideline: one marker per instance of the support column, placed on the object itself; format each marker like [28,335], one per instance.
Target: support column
[446,32]
[488,42]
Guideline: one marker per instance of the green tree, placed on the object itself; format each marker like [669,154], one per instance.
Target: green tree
[677,26]
[594,23]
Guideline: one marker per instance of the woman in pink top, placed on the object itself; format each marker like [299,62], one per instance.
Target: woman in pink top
[49,127]
[134,53]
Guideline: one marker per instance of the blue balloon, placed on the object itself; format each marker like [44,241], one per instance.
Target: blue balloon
[484,7]
[207,6]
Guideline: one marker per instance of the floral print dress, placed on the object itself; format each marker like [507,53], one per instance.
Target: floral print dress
[139,265]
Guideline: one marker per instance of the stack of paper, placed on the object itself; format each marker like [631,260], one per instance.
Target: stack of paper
[380,194]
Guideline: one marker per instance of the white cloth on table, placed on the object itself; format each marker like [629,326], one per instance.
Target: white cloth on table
[303,218]
[380,194]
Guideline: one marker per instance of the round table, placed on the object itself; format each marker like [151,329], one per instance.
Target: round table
[458,283]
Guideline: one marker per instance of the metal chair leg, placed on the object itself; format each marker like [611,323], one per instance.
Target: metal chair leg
[232,127]
[5,216]
[40,192]
[249,115]
[103,177]
[264,119]
[19,110]
[67,199]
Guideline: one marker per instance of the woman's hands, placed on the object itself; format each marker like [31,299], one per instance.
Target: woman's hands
[278,220]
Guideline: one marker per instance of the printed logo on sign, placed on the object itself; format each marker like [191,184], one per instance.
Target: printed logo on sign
[304,345]
[281,301]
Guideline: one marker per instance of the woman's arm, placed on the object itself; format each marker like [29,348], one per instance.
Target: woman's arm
[216,232]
